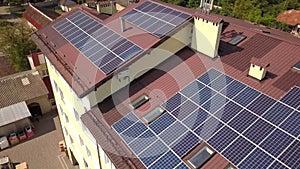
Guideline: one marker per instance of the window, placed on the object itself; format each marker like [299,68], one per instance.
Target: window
[106,159]
[237,39]
[200,158]
[76,114]
[61,95]
[67,118]
[71,139]
[55,86]
[66,131]
[88,152]
[44,73]
[85,164]
[61,110]
[81,141]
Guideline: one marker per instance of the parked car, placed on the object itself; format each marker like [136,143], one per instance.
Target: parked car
[13,139]
[29,131]
[22,135]
[4,143]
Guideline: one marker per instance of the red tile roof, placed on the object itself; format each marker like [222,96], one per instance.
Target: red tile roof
[211,18]
[291,17]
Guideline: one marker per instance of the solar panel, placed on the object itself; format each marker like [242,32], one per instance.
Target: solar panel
[232,89]
[155,18]
[169,160]
[152,153]
[208,128]
[209,76]
[246,96]
[228,111]
[125,122]
[184,110]
[292,124]
[238,150]
[261,104]
[242,121]
[182,166]
[133,132]
[203,95]
[292,97]
[222,138]
[142,142]
[174,102]
[162,123]
[196,118]
[257,159]
[215,103]
[277,113]
[237,39]
[79,27]
[297,66]
[291,155]
[276,142]
[173,132]
[185,143]
[258,131]
[277,165]
[192,88]
[220,82]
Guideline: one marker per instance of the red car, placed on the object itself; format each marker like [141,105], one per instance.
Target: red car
[29,131]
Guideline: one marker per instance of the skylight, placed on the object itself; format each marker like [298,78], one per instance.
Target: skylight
[237,39]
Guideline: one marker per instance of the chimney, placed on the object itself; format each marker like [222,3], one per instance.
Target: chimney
[258,69]
[206,34]
[122,24]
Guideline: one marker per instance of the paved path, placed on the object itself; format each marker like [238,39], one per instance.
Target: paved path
[42,151]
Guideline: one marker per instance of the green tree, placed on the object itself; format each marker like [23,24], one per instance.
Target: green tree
[15,43]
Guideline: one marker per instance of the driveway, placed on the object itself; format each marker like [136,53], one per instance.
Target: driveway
[42,151]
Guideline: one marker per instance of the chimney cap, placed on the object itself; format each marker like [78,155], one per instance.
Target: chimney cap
[208,17]
[259,62]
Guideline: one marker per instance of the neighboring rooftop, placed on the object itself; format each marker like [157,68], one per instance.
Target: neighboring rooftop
[290,17]
[38,16]
[20,87]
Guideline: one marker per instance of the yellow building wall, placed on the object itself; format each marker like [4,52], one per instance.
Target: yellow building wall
[257,72]
[206,37]
[153,58]
[44,103]
[75,128]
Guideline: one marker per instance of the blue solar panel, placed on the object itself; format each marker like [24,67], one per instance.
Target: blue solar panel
[162,123]
[292,124]
[182,166]
[185,143]
[277,113]
[184,110]
[133,132]
[192,88]
[142,142]
[153,152]
[215,103]
[291,155]
[242,121]
[79,28]
[292,97]
[232,89]
[155,19]
[174,102]
[258,131]
[238,150]
[277,165]
[228,111]
[220,82]
[257,159]
[209,76]
[173,132]
[246,96]
[196,118]
[125,122]
[222,138]
[276,142]
[261,104]
[208,128]
[203,95]
[169,160]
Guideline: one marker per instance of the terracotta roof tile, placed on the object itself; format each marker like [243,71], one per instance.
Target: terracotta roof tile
[211,18]
[291,17]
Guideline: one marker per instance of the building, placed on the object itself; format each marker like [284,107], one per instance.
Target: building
[292,18]
[118,80]
[23,95]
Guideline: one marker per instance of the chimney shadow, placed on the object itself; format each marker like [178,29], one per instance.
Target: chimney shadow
[226,48]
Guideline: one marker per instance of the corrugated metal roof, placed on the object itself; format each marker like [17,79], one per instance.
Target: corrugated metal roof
[13,113]
[12,89]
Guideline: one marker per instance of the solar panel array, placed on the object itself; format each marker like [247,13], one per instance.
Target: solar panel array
[247,127]
[101,45]
[155,18]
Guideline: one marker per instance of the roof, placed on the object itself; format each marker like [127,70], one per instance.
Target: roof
[20,87]
[71,63]
[38,16]
[13,113]
[291,17]
[211,18]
